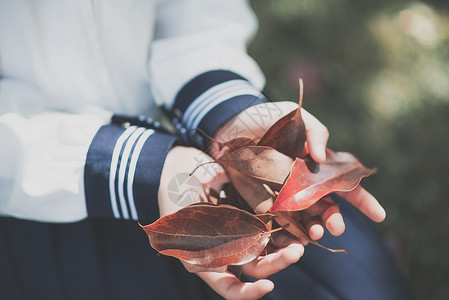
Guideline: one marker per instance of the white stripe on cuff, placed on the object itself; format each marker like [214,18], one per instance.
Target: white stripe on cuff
[248,91]
[210,94]
[113,168]
[132,170]
[123,164]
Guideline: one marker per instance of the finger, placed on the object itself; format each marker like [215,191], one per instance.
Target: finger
[319,207]
[230,287]
[315,228]
[265,266]
[316,136]
[282,240]
[365,202]
[197,268]
[333,220]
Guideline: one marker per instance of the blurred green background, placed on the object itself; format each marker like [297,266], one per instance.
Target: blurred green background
[377,74]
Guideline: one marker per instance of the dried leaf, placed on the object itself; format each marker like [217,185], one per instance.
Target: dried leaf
[288,134]
[267,219]
[251,190]
[259,162]
[310,181]
[234,144]
[228,146]
[260,173]
[209,235]
[230,196]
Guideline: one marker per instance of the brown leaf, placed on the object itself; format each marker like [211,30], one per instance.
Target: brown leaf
[267,219]
[209,235]
[228,146]
[259,162]
[251,190]
[310,181]
[234,144]
[230,196]
[288,134]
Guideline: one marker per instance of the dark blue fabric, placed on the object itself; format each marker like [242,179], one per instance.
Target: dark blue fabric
[10,287]
[148,174]
[32,258]
[222,113]
[140,120]
[96,170]
[146,177]
[199,85]
[218,115]
[94,259]
[103,258]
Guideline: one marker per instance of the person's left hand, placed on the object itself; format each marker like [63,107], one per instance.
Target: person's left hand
[288,251]
[255,120]
[180,162]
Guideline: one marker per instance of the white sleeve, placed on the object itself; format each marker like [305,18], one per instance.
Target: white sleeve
[42,155]
[198,62]
[63,167]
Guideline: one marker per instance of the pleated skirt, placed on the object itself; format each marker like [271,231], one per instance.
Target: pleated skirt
[112,259]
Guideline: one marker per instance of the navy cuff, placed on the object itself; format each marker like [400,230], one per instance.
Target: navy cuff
[123,170]
[209,100]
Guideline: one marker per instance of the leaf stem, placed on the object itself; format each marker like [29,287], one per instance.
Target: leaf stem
[207,136]
[275,230]
[197,167]
[301,91]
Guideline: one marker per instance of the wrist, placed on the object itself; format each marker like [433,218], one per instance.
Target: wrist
[178,187]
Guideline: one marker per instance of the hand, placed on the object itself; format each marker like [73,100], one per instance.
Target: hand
[182,160]
[175,192]
[286,252]
[255,120]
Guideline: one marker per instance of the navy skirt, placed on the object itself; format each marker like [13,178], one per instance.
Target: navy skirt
[112,259]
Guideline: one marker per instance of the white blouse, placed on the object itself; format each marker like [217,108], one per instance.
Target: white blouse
[67,66]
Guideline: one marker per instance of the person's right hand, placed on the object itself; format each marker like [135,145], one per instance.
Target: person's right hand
[183,160]
[254,121]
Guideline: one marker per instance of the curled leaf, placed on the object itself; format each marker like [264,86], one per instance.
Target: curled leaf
[230,196]
[228,146]
[288,134]
[251,190]
[234,144]
[209,235]
[262,163]
[309,181]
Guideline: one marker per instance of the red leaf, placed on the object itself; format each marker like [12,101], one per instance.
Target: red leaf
[310,181]
[230,196]
[259,162]
[234,144]
[228,146]
[251,190]
[209,235]
[250,167]
[288,134]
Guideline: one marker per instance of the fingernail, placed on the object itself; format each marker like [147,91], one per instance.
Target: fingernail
[321,153]
[380,213]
